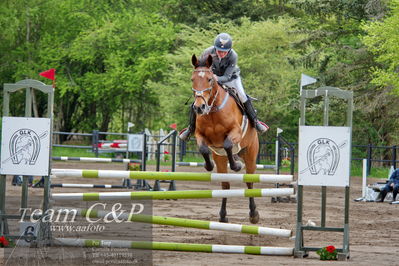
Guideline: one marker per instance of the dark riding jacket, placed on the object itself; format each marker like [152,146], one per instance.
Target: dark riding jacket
[226,68]
[394,178]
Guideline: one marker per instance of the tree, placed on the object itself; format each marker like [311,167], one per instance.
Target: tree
[382,40]
[104,55]
[265,50]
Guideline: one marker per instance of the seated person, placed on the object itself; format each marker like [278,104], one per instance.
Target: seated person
[392,185]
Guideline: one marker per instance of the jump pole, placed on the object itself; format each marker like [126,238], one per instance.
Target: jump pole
[95,160]
[187,194]
[180,176]
[181,222]
[258,166]
[93,243]
[66,185]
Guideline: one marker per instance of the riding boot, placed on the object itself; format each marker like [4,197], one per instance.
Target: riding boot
[258,125]
[394,193]
[186,132]
[383,194]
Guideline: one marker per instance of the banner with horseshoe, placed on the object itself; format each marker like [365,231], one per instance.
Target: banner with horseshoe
[25,146]
[324,156]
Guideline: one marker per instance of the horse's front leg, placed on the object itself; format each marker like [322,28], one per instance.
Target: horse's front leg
[223,212]
[233,138]
[253,213]
[205,151]
[221,165]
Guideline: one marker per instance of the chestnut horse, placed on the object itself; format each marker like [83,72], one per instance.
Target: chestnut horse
[219,126]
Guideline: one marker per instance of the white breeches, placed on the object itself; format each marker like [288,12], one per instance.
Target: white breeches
[237,84]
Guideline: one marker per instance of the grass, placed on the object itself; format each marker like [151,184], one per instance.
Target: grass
[376,172]
[72,152]
[75,152]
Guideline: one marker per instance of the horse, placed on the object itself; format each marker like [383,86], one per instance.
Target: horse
[219,129]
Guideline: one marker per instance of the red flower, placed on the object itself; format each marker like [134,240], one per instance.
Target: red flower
[330,249]
[3,241]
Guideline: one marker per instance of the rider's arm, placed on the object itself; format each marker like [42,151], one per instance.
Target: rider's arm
[230,70]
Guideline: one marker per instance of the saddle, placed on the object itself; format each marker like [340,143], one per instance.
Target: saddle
[233,93]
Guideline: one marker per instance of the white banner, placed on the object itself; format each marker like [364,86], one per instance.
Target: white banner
[27,229]
[25,146]
[135,142]
[324,156]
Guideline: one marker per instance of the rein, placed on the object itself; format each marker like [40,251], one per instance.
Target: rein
[209,108]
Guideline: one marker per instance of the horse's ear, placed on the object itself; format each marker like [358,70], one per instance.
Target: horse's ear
[209,61]
[194,61]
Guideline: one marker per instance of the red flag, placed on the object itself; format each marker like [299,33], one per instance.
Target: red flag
[48,74]
[173,126]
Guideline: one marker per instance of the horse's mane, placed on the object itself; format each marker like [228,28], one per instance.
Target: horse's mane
[202,60]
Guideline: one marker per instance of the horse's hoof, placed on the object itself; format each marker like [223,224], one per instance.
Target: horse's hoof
[209,167]
[238,166]
[254,219]
[223,220]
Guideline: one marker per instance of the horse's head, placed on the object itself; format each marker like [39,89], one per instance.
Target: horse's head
[204,84]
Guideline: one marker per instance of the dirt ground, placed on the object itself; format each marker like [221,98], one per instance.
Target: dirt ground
[374,233]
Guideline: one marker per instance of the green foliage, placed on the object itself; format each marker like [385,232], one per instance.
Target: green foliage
[382,40]
[381,106]
[327,253]
[203,13]
[104,56]
[265,51]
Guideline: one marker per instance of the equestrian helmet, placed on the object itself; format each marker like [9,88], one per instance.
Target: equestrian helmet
[223,42]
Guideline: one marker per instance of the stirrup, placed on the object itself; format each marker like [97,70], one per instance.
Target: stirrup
[261,127]
[184,134]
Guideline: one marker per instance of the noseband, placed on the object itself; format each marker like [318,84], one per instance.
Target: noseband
[200,93]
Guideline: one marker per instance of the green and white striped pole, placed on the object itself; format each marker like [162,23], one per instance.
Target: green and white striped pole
[93,243]
[95,159]
[258,166]
[187,194]
[142,218]
[179,176]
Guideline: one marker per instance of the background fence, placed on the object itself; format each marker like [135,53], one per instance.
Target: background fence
[378,156]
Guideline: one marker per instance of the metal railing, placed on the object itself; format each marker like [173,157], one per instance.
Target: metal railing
[373,153]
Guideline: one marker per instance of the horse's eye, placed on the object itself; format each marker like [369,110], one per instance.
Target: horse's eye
[209,80]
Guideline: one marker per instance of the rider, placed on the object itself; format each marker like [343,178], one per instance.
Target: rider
[224,66]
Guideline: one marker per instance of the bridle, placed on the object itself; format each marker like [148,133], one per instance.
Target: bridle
[200,93]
